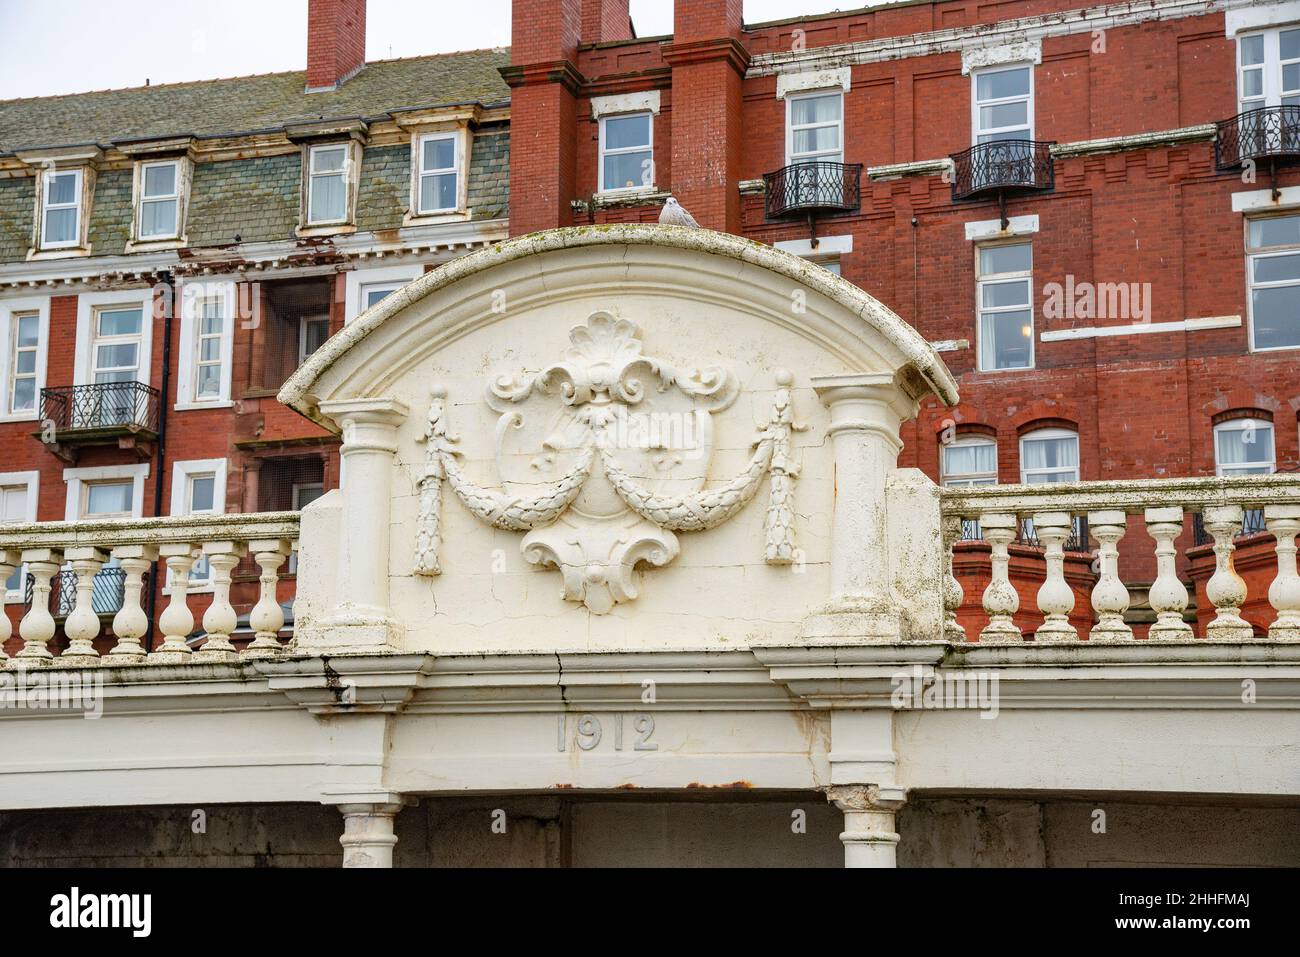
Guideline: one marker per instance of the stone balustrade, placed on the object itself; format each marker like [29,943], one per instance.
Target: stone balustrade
[173,545]
[1164,506]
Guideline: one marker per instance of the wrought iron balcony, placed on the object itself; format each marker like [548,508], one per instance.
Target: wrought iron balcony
[810,188]
[123,413]
[1265,134]
[1002,165]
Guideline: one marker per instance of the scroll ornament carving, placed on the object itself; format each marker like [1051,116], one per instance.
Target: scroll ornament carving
[608,392]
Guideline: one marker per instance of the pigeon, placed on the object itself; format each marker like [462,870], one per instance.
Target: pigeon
[674,214]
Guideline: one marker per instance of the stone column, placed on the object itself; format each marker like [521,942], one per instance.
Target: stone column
[9,561]
[1055,596]
[37,626]
[362,618]
[866,412]
[368,837]
[869,837]
[1284,594]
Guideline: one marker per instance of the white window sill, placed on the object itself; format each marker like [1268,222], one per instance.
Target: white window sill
[155,245]
[197,406]
[434,218]
[20,417]
[326,229]
[58,252]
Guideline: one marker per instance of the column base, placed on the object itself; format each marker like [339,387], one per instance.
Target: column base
[349,634]
[858,619]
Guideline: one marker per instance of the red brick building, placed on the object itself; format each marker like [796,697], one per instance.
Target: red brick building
[1063,200]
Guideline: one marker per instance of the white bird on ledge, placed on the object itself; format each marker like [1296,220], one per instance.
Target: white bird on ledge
[675,214]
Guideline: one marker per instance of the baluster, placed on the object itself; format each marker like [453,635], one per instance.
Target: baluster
[1000,598]
[37,626]
[130,623]
[1109,595]
[1168,595]
[267,617]
[1225,589]
[82,624]
[953,593]
[177,621]
[1055,596]
[220,618]
[10,561]
[1284,594]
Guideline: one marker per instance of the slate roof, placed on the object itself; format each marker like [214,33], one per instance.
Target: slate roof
[251,104]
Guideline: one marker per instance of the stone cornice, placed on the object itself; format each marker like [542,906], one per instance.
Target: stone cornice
[707,51]
[534,74]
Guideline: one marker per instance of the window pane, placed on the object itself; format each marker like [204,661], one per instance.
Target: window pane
[439,154]
[1004,114]
[61,225]
[1007,339]
[627,169]
[624,131]
[328,198]
[160,180]
[317,331]
[29,328]
[211,325]
[327,161]
[1291,76]
[63,188]
[821,138]
[1252,83]
[158,218]
[438,191]
[1275,231]
[25,362]
[970,459]
[994,86]
[1290,44]
[201,489]
[1000,259]
[108,497]
[24,395]
[119,322]
[119,356]
[210,350]
[815,109]
[1244,444]
[1276,268]
[1252,50]
[15,582]
[998,294]
[1054,453]
[1276,317]
[209,382]
[373,295]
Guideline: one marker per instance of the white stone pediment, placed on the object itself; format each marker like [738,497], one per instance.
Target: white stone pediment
[617,437]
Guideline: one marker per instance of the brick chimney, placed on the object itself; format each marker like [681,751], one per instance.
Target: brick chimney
[336,42]
[606,20]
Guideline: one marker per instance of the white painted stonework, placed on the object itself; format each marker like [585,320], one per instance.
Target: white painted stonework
[623,511]
[787,83]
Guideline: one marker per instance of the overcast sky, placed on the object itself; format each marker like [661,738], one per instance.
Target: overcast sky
[71,46]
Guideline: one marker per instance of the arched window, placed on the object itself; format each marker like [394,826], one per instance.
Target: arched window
[1244,447]
[970,460]
[1049,455]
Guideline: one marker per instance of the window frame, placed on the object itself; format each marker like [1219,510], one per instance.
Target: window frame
[1272,68]
[183,475]
[32,481]
[88,306]
[10,311]
[1250,257]
[1050,432]
[356,282]
[303,323]
[623,150]
[174,197]
[976,131]
[47,179]
[96,340]
[344,173]
[970,479]
[192,296]
[1235,425]
[457,169]
[814,156]
[1002,277]
[77,479]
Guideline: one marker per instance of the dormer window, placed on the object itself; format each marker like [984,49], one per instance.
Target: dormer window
[61,209]
[439,189]
[159,200]
[328,185]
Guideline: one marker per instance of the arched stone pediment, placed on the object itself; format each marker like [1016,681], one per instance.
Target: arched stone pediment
[673,420]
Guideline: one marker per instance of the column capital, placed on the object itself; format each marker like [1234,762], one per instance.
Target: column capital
[381,411]
[867,797]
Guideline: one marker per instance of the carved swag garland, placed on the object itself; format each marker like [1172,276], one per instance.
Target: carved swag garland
[594,538]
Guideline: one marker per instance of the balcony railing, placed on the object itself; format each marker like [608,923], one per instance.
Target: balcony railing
[813,188]
[102,407]
[1002,165]
[107,592]
[66,564]
[1221,504]
[1267,133]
